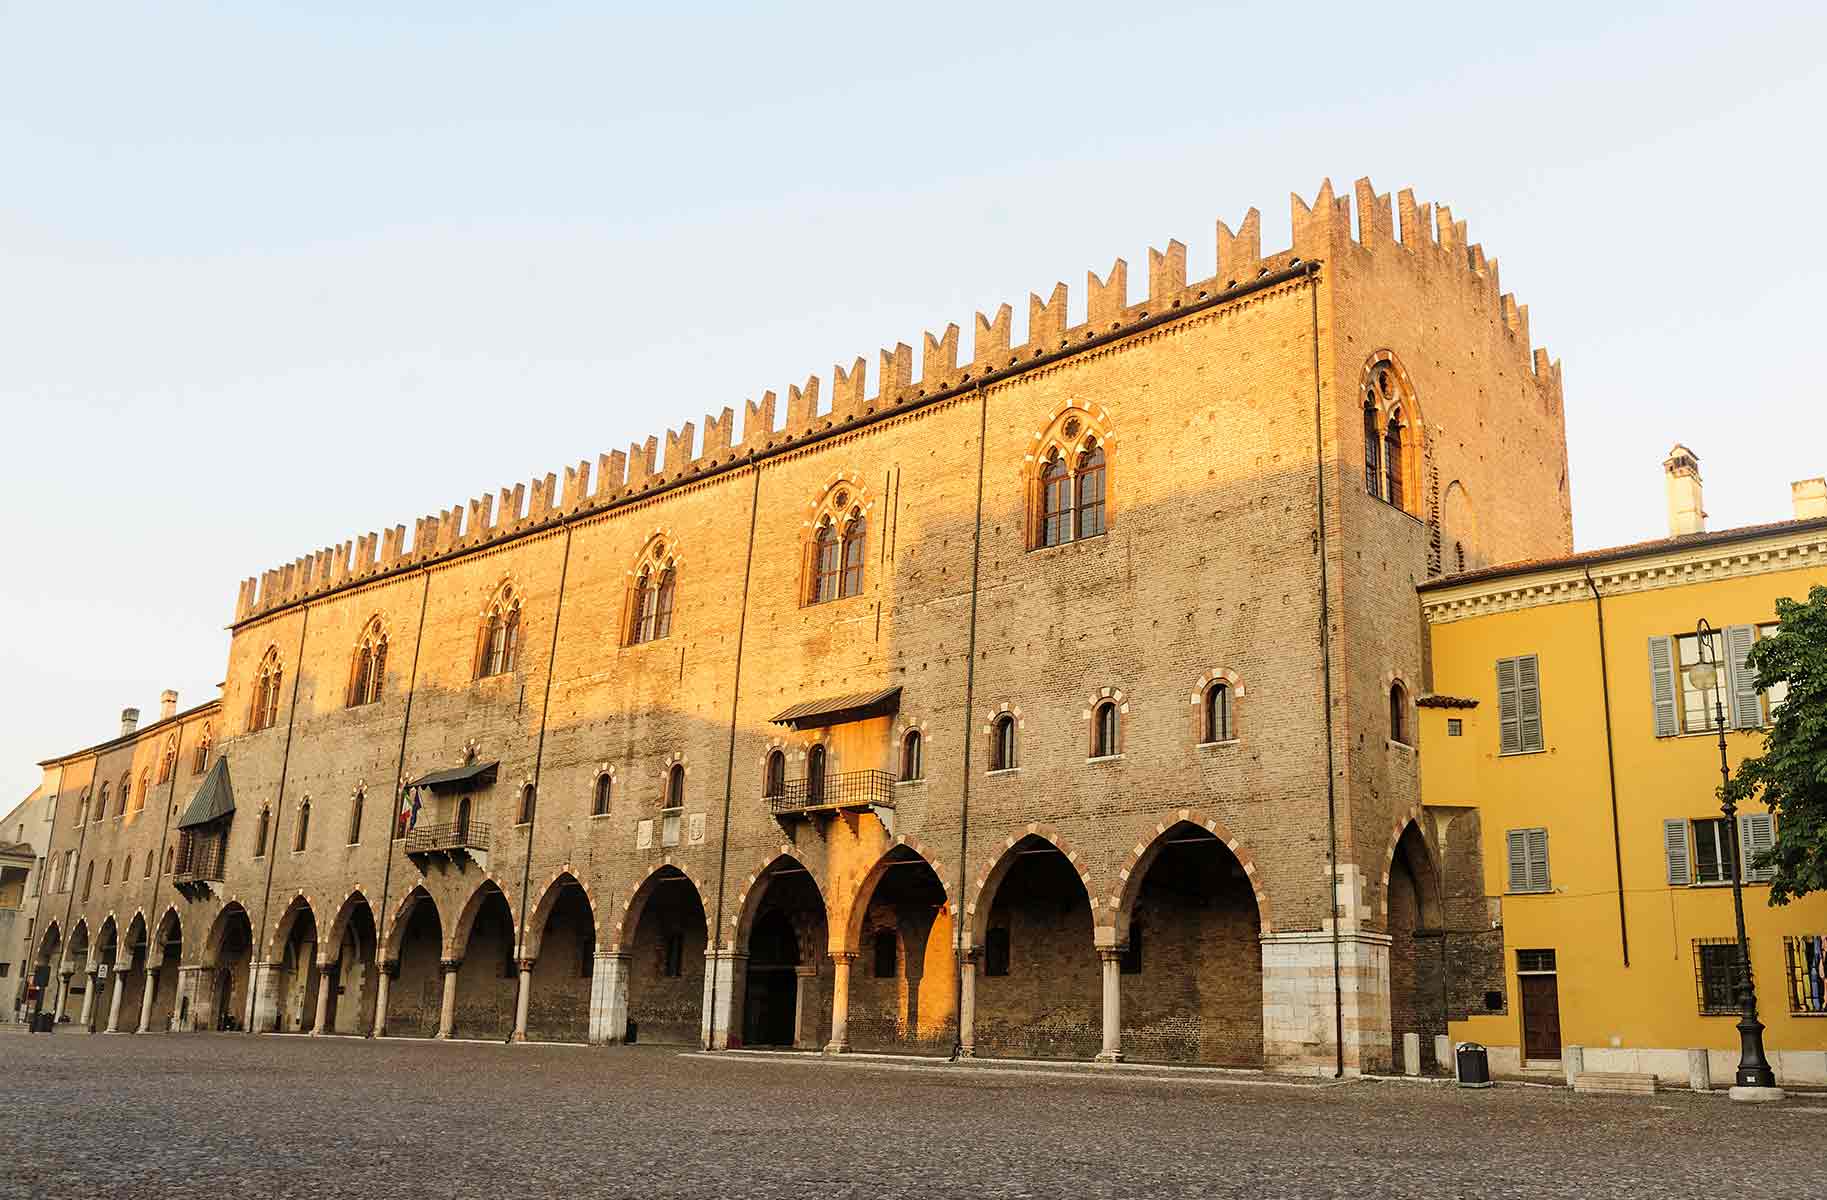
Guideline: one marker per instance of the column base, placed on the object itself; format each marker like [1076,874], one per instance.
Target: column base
[518,1037]
[1107,1057]
[1756,1095]
[836,1048]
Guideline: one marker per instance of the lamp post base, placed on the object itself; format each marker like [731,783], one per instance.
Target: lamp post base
[1756,1095]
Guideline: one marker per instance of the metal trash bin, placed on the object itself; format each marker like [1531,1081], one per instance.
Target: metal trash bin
[44,1022]
[1474,1065]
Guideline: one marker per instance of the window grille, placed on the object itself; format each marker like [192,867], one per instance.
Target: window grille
[1535,962]
[1717,977]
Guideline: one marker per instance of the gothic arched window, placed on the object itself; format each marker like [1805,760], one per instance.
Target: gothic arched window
[1392,457]
[500,640]
[370,668]
[1373,448]
[1090,487]
[200,759]
[1069,500]
[913,748]
[650,603]
[266,692]
[599,801]
[856,537]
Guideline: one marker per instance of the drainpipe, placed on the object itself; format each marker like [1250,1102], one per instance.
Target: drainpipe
[399,779]
[539,753]
[272,851]
[1325,641]
[970,701]
[1611,767]
[729,775]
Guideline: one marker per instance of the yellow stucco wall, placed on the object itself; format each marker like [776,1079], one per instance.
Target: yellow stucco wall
[1652,1002]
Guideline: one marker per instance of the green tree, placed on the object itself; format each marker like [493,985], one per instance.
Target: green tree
[1790,776]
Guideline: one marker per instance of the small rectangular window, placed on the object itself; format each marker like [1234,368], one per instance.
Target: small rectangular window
[1454,727]
[1700,707]
[1528,860]
[1716,977]
[1534,962]
[1712,851]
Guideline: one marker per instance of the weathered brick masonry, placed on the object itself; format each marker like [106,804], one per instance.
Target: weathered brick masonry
[1168,896]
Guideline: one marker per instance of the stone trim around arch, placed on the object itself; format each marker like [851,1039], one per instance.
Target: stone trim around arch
[1196,702]
[1142,855]
[43,948]
[621,933]
[288,919]
[743,919]
[548,900]
[456,938]
[172,914]
[1413,817]
[418,893]
[851,930]
[989,879]
[210,952]
[332,936]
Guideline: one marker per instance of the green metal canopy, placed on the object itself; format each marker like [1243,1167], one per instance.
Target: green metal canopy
[213,801]
[473,773]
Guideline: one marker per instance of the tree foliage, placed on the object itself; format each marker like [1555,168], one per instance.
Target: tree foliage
[1790,776]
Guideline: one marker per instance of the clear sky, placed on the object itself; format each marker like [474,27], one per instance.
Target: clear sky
[272,276]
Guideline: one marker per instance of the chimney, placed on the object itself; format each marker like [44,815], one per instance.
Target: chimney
[168,704]
[130,720]
[1681,474]
[1810,498]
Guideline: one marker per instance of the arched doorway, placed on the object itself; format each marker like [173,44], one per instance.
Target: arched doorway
[45,984]
[417,938]
[294,978]
[103,982]
[167,955]
[1039,992]
[222,991]
[564,958]
[903,982]
[352,971]
[1191,975]
[133,958]
[786,1000]
[488,976]
[1417,975]
[665,959]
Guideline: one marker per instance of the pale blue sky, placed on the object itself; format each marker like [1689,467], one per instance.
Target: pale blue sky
[269,278]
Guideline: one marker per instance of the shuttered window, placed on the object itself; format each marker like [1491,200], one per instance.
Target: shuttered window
[1756,833]
[1743,706]
[1698,851]
[1519,705]
[1674,850]
[1528,855]
[1662,686]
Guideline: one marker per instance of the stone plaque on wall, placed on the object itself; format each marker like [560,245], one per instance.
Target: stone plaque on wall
[694,829]
[643,835]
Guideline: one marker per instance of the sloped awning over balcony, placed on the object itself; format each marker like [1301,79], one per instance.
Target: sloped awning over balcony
[469,775]
[213,801]
[839,710]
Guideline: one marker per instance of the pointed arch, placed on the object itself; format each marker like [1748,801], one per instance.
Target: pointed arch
[345,912]
[627,918]
[298,907]
[561,884]
[170,929]
[230,918]
[402,914]
[1067,476]
[1121,903]
[1392,416]
[458,939]
[1410,843]
[753,893]
[847,928]
[652,592]
[499,633]
[168,760]
[834,541]
[49,942]
[996,868]
[137,922]
[199,762]
[264,711]
[368,663]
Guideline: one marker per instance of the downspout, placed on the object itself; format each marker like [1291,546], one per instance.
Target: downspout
[272,851]
[1611,767]
[970,701]
[729,771]
[539,751]
[399,779]
[1325,641]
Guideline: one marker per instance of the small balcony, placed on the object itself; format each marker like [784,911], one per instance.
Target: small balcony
[198,865]
[458,840]
[847,792]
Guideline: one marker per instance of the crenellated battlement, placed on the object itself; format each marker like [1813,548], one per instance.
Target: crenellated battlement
[1321,232]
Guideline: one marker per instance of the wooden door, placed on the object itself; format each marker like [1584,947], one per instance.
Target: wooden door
[1541,1017]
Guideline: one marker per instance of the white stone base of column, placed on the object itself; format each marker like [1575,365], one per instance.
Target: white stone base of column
[1300,1019]
[186,1008]
[1108,1057]
[1756,1095]
[609,1000]
[263,998]
[726,977]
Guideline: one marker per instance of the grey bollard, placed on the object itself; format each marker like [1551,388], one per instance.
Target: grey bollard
[1699,1070]
[1411,1054]
[1573,1062]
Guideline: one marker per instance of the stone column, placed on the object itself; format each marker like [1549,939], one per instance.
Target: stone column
[1111,959]
[720,1028]
[447,1011]
[967,1003]
[88,999]
[186,1006]
[258,976]
[386,972]
[323,1001]
[146,993]
[63,994]
[609,1000]
[114,1001]
[521,1001]
[803,1037]
[840,1002]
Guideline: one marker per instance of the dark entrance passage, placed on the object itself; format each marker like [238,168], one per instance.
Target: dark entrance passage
[666,960]
[416,995]
[772,999]
[558,1007]
[488,979]
[787,999]
[1039,992]
[1417,1001]
[903,984]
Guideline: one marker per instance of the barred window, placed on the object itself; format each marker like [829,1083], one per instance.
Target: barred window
[1717,977]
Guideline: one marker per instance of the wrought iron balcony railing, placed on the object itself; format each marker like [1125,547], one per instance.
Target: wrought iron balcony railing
[446,839]
[851,789]
[201,862]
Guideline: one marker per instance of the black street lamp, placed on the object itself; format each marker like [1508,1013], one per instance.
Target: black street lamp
[1753,1068]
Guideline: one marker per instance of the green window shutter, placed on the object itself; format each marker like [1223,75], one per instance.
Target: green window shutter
[1509,738]
[1519,860]
[1662,685]
[1747,712]
[1756,834]
[1529,702]
[1538,860]
[1674,848]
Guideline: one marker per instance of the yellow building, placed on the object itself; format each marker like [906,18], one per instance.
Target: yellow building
[1563,715]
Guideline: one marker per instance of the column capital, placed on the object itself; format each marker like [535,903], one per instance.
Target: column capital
[449,966]
[844,956]
[1110,954]
[66,976]
[390,967]
[970,954]
[524,965]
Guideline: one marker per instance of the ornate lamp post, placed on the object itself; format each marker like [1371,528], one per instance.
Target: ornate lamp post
[1754,1080]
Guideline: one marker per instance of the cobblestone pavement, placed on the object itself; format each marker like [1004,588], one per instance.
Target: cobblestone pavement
[229,1115]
